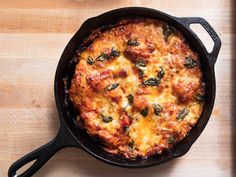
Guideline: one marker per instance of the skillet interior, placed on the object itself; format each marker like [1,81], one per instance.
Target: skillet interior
[66,69]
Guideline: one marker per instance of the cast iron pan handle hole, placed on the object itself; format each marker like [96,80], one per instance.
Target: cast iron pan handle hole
[32,162]
[205,38]
[29,164]
[188,21]
[25,167]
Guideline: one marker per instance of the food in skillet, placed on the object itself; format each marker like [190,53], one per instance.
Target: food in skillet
[138,87]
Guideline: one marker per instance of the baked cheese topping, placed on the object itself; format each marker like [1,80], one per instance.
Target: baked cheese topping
[138,87]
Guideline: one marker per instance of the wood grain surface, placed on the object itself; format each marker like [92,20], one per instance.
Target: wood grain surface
[33,35]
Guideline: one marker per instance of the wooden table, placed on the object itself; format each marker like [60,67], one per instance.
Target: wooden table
[33,35]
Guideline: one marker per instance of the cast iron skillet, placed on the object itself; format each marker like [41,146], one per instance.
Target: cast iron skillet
[71,135]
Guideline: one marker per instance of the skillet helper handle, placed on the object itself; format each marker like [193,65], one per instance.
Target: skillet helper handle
[42,154]
[214,36]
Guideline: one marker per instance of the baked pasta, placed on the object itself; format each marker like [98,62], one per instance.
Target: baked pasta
[138,87]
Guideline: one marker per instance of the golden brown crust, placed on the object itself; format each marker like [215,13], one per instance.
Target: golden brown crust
[138,87]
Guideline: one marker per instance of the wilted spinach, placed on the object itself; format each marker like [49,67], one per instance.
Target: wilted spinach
[161,73]
[140,63]
[157,109]
[106,119]
[152,82]
[190,62]
[144,112]
[111,87]
[114,53]
[172,139]
[131,144]
[130,98]
[182,114]
[168,30]
[90,61]
[103,57]
[133,42]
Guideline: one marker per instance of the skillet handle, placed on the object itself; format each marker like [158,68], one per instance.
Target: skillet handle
[186,21]
[43,154]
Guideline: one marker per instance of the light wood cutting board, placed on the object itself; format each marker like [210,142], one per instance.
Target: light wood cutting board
[33,35]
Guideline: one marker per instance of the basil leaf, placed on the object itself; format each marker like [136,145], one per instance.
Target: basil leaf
[90,61]
[157,109]
[144,112]
[111,87]
[112,54]
[131,144]
[141,73]
[115,53]
[152,82]
[130,99]
[168,30]
[190,62]
[133,42]
[140,62]
[106,119]
[161,73]
[182,114]
[172,139]
[102,57]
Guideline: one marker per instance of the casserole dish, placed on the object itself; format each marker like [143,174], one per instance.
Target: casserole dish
[71,135]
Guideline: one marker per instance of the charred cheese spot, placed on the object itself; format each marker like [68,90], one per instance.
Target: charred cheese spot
[132,84]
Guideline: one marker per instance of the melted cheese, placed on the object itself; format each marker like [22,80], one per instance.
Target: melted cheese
[128,130]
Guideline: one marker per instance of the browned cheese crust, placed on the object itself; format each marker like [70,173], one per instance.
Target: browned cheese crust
[138,87]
